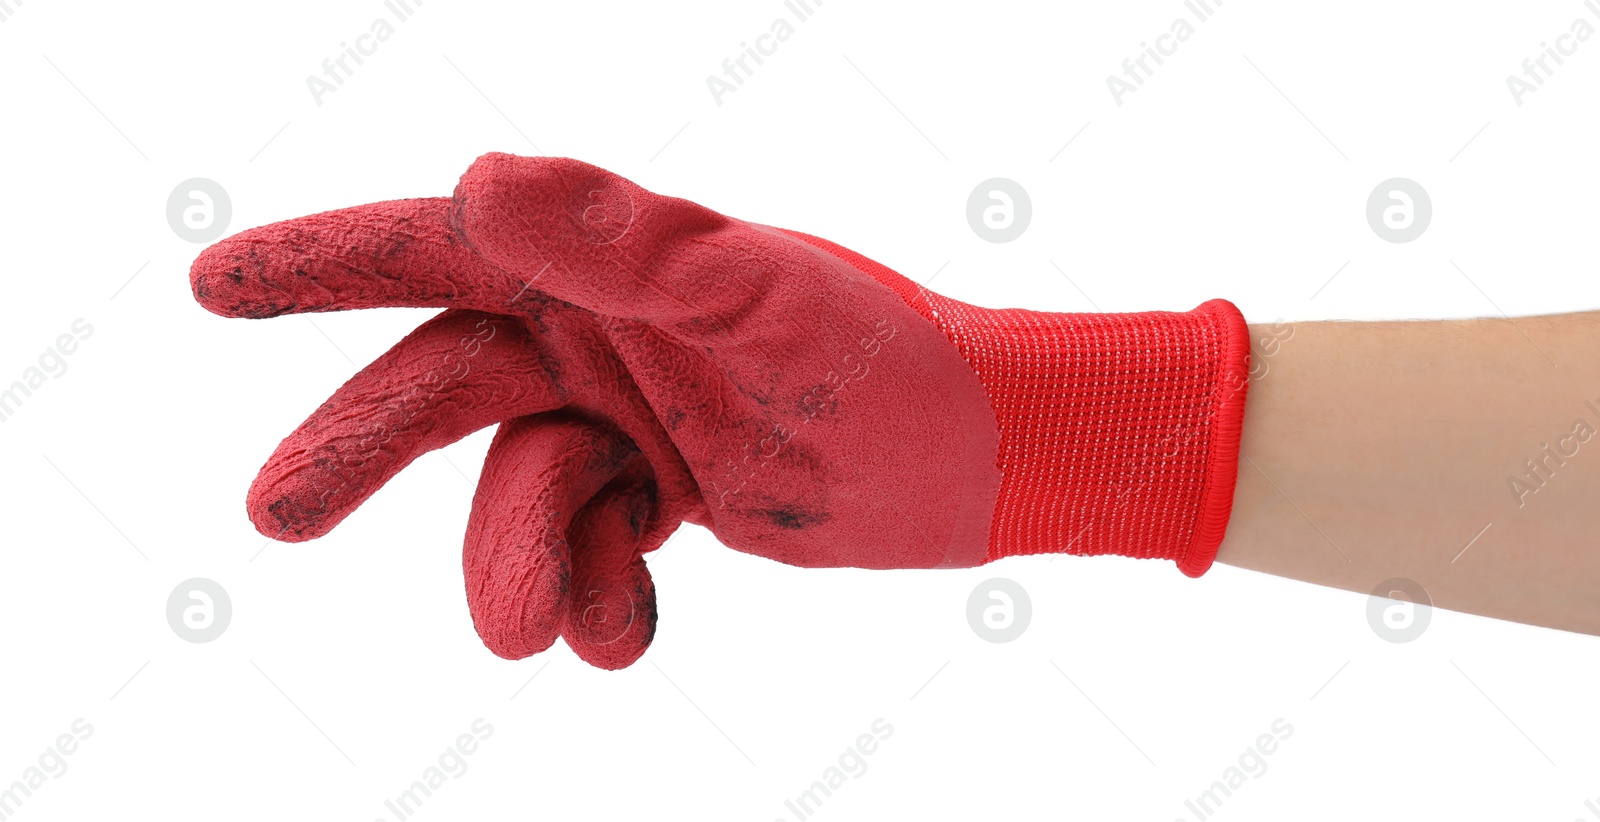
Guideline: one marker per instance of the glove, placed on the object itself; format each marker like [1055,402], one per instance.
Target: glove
[659,363]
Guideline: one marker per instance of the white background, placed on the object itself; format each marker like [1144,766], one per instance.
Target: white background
[1240,169]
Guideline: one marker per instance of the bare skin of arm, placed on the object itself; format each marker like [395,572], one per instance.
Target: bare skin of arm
[1375,450]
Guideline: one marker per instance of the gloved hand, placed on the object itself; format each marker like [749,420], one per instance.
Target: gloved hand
[668,363]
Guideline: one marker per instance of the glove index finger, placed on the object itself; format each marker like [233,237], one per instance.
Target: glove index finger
[398,253]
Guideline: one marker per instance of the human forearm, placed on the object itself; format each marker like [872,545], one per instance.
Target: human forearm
[1375,450]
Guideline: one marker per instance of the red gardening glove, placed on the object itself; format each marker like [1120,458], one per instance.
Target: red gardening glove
[803,402]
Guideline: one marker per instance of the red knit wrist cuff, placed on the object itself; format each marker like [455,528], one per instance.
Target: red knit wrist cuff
[1119,433]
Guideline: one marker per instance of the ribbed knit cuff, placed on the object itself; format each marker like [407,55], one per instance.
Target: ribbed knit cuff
[1119,433]
[1227,428]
